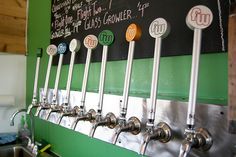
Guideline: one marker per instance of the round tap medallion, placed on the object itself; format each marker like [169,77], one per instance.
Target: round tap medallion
[159,28]
[62,48]
[74,45]
[133,33]
[52,50]
[90,41]
[199,17]
[106,37]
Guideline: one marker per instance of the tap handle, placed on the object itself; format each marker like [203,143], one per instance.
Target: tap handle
[135,125]
[112,120]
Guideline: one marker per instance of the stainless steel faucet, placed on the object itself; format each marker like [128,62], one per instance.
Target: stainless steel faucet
[200,139]
[53,108]
[133,126]
[161,133]
[89,116]
[109,120]
[42,106]
[34,104]
[66,111]
[31,142]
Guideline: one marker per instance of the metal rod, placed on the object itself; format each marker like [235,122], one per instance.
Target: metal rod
[85,79]
[55,91]
[155,76]
[102,78]
[47,78]
[128,77]
[194,77]
[34,99]
[70,73]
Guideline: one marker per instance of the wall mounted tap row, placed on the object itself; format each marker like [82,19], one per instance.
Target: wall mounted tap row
[198,18]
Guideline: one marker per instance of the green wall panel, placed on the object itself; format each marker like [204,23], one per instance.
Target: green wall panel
[173,85]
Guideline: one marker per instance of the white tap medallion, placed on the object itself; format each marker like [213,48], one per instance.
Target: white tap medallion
[199,17]
[90,41]
[159,28]
[52,50]
[74,45]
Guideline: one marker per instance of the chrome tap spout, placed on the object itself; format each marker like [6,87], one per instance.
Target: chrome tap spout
[162,133]
[110,121]
[133,126]
[185,148]
[89,116]
[200,139]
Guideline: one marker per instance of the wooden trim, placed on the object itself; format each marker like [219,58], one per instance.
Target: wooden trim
[232,72]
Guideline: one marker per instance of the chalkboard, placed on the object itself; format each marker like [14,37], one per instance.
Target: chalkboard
[78,18]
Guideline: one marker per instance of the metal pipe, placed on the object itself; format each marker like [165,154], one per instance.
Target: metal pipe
[36,80]
[102,78]
[55,91]
[34,99]
[155,76]
[125,97]
[85,79]
[70,73]
[45,90]
[194,77]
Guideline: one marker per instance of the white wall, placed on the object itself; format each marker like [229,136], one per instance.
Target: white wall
[12,89]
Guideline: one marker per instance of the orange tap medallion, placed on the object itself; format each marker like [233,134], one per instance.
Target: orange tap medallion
[133,33]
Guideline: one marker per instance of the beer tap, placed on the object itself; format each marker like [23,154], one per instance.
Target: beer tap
[54,107]
[65,109]
[105,38]
[34,103]
[198,18]
[158,29]
[133,125]
[90,42]
[51,51]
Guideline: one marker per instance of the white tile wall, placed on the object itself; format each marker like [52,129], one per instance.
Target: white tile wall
[12,86]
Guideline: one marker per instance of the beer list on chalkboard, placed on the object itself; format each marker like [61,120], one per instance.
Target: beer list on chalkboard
[79,18]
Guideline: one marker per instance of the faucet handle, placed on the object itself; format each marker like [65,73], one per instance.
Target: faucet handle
[166,130]
[205,140]
[135,124]
[91,115]
[112,120]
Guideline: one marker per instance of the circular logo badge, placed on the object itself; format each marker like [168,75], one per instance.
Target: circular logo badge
[159,28]
[133,32]
[90,41]
[74,45]
[52,50]
[199,17]
[62,48]
[106,37]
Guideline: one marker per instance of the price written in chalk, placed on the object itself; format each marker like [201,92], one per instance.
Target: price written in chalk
[141,7]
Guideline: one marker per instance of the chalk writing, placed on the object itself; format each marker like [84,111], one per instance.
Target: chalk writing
[142,7]
[72,16]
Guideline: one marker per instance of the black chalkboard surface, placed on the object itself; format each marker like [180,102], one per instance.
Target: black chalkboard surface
[78,18]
